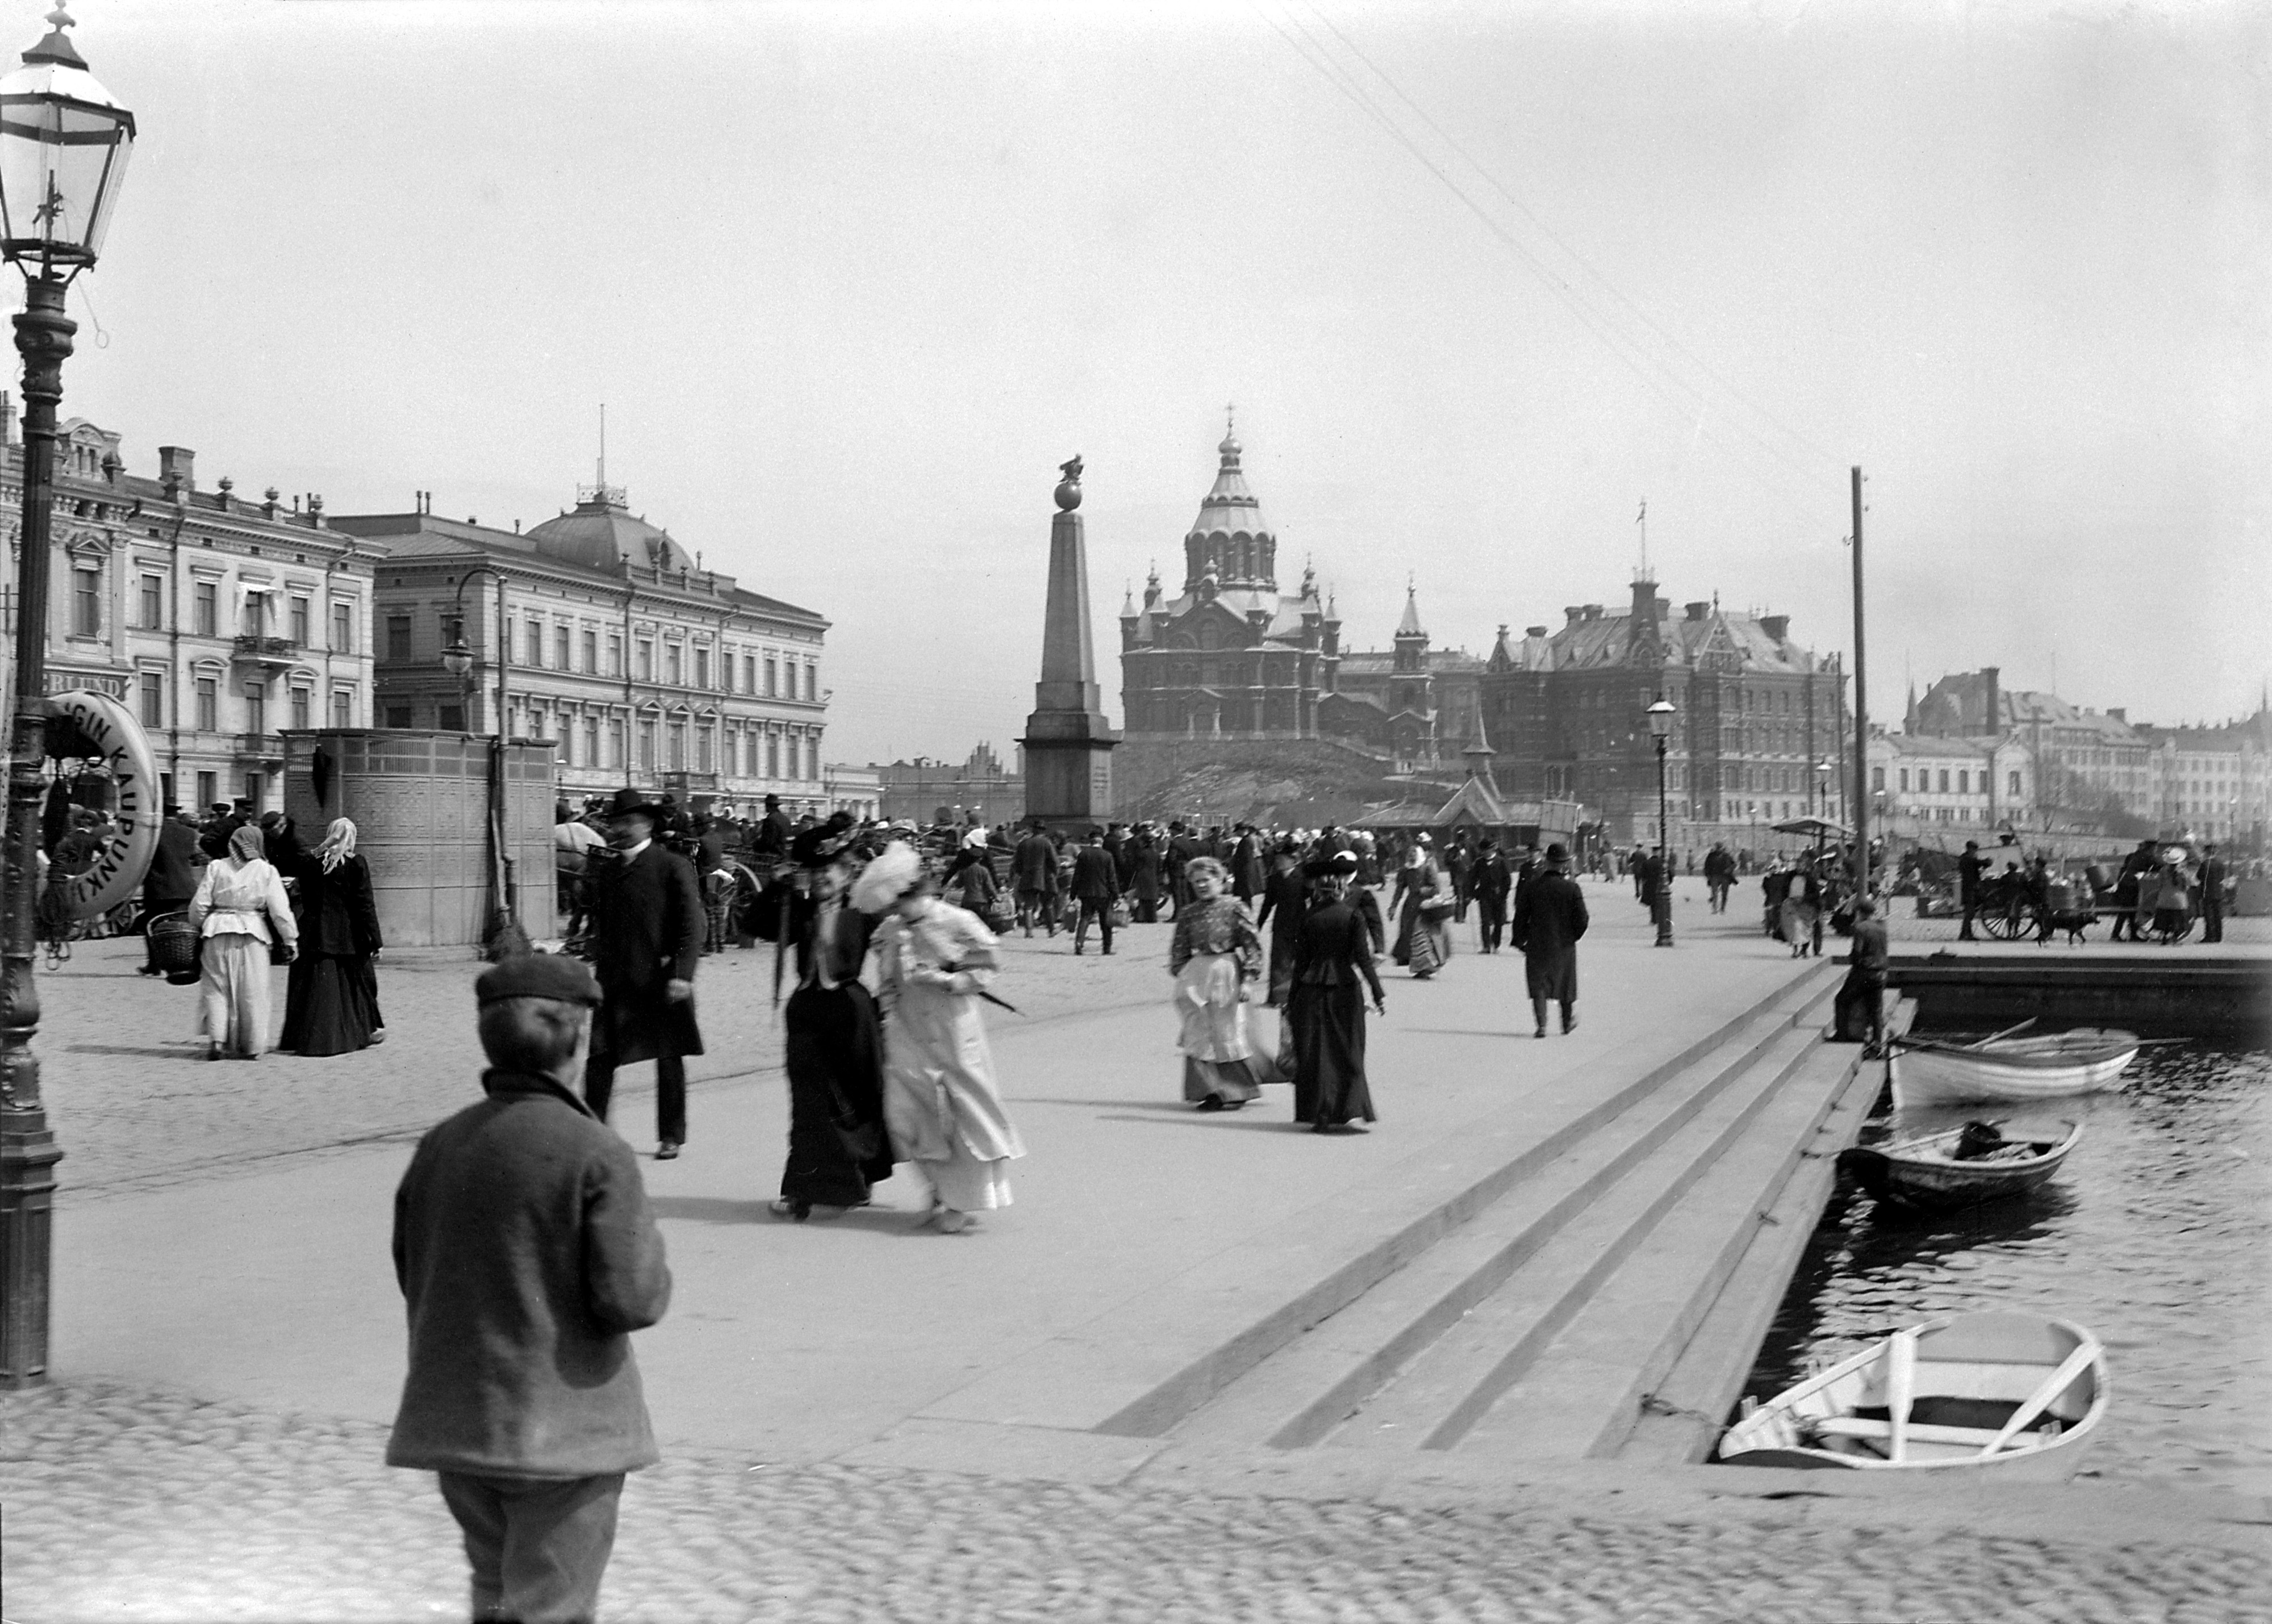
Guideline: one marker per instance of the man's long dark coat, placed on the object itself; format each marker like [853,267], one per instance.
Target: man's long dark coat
[647,927]
[1549,916]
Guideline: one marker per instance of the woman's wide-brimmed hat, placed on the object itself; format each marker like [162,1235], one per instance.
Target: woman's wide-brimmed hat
[894,872]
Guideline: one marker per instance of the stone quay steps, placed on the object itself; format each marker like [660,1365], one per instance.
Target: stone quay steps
[1524,1261]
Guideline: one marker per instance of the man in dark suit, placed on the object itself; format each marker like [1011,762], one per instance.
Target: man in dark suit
[1490,881]
[2213,877]
[647,925]
[1549,916]
[172,880]
[1181,848]
[1096,885]
[1969,867]
[1036,864]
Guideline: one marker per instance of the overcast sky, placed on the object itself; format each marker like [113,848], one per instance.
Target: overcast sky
[1481,278]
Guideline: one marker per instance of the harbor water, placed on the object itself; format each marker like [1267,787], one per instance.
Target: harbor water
[2156,1235]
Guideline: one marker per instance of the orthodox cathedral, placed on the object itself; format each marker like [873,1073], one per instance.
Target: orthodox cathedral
[1231,657]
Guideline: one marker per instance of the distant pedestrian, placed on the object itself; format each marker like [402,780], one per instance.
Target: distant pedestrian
[527,1254]
[647,925]
[1549,917]
[1719,875]
[1861,1000]
[1969,867]
[1036,864]
[331,998]
[1096,888]
[1422,942]
[1215,957]
[1144,877]
[241,911]
[1332,968]
[940,1100]
[1492,882]
[2213,877]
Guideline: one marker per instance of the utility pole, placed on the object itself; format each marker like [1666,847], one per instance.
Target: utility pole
[1861,795]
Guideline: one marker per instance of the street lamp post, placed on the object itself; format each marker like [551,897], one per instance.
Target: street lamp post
[504,936]
[1822,790]
[64,145]
[1659,729]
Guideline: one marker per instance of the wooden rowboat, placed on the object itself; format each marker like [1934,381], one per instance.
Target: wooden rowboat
[1960,1167]
[2082,1061]
[2009,1393]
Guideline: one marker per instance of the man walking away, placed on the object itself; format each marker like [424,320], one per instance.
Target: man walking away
[1095,885]
[1549,916]
[1861,1000]
[1036,864]
[647,925]
[527,1255]
[1969,867]
[1491,881]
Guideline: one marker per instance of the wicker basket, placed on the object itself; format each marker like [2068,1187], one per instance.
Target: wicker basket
[174,947]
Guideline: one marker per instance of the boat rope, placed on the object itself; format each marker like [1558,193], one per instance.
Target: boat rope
[1651,1404]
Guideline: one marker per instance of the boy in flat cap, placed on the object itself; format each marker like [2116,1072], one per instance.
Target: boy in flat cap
[527,1254]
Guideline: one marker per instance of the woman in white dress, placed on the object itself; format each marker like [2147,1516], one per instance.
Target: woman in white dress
[1214,958]
[240,909]
[941,1106]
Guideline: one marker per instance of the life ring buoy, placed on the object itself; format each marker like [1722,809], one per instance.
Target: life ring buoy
[119,867]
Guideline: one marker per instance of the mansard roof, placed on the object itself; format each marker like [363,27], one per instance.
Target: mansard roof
[1593,640]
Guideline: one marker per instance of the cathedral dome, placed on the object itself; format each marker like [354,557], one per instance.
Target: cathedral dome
[1230,538]
[600,534]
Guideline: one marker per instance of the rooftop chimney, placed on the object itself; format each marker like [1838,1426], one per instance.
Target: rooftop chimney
[1992,680]
[1698,610]
[2119,713]
[1776,626]
[1573,613]
[1644,600]
[178,470]
[1593,611]
[1533,631]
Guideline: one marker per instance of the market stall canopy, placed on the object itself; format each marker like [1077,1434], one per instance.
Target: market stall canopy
[1815,828]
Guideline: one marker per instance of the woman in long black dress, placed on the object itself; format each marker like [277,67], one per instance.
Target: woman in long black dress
[1333,966]
[834,1049]
[331,1001]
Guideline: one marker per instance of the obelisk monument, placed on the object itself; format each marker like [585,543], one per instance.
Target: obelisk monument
[1068,742]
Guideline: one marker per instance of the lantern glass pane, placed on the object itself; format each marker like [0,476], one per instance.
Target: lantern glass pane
[60,165]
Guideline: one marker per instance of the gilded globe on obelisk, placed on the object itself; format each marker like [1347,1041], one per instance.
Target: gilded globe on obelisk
[1069,487]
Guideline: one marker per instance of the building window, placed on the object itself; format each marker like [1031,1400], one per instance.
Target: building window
[153,698]
[592,739]
[773,688]
[208,705]
[812,757]
[1964,782]
[303,704]
[567,742]
[813,682]
[397,637]
[256,708]
[645,658]
[678,742]
[153,602]
[342,708]
[702,668]
[702,748]
[343,629]
[299,624]
[2014,785]
[258,621]
[450,717]
[536,643]
[397,716]
[87,603]
[1944,780]
[749,674]
[1878,779]
[773,755]
[560,636]
[591,654]
[646,746]
[614,655]
[208,789]
[616,742]
[673,668]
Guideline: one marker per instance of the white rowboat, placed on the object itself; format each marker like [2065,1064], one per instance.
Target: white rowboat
[2010,1393]
[2010,1069]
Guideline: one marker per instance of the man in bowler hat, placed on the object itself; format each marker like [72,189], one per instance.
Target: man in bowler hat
[647,927]
[1549,916]
[527,1254]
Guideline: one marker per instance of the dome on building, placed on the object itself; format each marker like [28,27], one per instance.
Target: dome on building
[600,534]
[1230,507]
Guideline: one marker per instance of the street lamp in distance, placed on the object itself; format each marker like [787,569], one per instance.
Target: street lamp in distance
[64,145]
[1822,790]
[504,936]
[1660,730]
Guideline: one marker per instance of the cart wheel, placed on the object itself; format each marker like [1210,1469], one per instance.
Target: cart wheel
[2006,923]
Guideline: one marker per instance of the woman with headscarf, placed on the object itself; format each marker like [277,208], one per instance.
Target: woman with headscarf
[331,1000]
[940,1103]
[1422,941]
[1332,968]
[1214,956]
[240,910]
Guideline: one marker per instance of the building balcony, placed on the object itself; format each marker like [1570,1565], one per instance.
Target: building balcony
[267,746]
[268,651]
[690,780]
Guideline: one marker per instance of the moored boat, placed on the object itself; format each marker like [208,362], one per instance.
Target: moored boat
[1959,1167]
[2082,1061]
[2011,1393]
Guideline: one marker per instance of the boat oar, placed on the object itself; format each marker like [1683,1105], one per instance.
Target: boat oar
[2085,1355]
[2006,1032]
[1901,1390]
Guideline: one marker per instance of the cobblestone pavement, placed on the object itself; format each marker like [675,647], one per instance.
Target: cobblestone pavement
[134,1506]
[135,1103]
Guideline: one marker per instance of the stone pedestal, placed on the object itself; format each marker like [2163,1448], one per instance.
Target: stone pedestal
[1068,741]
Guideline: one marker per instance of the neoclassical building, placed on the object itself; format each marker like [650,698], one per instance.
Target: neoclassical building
[641,666]
[219,623]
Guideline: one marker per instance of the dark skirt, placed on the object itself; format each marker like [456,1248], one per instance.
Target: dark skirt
[1282,970]
[330,1005]
[1328,1024]
[1552,975]
[834,1057]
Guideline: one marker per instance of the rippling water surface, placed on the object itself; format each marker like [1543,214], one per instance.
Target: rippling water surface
[2156,1235]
